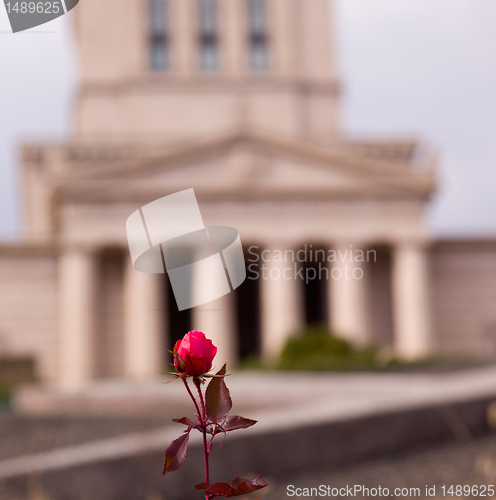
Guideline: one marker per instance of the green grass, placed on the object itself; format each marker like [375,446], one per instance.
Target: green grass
[317,349]
[4,398]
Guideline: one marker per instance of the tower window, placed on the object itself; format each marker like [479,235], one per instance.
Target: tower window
[209,54]
[257,25]
[159,35]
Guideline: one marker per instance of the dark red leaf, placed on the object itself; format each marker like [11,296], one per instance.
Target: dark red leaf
[219,489]
[218,398]
[243,486]
[175,454]
[184,421]
[239,486]
[202,486]
[234,422]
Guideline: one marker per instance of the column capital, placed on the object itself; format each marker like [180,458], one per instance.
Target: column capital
[80,248]
[413,243]
[347,243]
[283,244]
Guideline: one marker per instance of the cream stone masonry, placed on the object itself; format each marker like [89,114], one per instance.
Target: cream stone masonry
[233,33]
[144,330]
[462,291]
[267,186]
[263,152]
[217,319]
[29,305]
[184,57]
[411,300]
[77,309]
[120,97]
[281,304]
[348,295]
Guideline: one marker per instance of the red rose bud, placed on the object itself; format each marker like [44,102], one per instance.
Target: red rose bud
[193,354]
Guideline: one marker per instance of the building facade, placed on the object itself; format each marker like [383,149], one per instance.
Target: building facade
[237,99]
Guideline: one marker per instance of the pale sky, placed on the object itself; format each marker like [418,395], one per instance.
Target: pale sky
[409,68]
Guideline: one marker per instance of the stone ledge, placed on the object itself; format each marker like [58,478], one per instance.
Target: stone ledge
[129,467]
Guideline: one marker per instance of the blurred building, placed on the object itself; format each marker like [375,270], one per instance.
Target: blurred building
[237,99]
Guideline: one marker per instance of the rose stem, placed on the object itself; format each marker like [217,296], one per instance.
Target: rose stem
[204,428]
[192,397]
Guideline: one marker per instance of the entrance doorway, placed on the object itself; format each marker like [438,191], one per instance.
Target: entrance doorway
[177,323]
[380,296]
[247,303]
[108,342]
[314,282]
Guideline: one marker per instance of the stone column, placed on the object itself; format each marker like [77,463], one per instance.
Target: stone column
[76,317]
[281,304]
[412,334]
[144,326]
[347,294]
[216,318]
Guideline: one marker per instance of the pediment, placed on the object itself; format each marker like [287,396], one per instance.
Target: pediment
[253,166]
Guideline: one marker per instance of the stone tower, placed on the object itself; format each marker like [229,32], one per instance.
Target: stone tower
[193,69]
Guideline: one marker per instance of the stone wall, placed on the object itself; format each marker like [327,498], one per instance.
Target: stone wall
[463,297]
[28,306]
